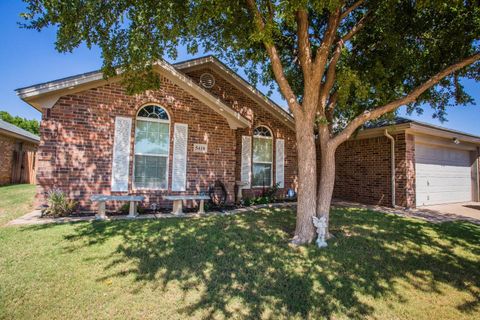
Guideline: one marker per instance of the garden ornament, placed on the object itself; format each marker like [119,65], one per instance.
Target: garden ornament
[321,225]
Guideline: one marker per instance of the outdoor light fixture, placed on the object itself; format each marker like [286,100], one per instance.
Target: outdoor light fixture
[456,141]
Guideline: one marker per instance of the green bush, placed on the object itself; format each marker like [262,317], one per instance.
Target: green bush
[59,205]
[124,209]
[269,195]
[247,202]
[271,192]
[261,200]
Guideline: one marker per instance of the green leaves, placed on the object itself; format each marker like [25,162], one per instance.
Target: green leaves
[32,126]
[402,44]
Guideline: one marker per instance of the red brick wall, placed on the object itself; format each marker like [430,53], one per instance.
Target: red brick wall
[7,147]
[405,173]
[363,171]
[77,141]
[257,115]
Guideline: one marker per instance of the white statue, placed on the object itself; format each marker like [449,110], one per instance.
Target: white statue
[321,225]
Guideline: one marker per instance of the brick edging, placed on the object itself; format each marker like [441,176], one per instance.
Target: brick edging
[33,218]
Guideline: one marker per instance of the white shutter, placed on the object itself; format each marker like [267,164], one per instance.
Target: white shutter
[179,167]
[246,168]
[280,162]
[121,154]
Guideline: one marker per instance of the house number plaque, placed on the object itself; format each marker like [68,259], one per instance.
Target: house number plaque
[200,148]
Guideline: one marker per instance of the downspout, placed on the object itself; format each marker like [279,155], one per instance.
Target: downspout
[392,169]
[477,162]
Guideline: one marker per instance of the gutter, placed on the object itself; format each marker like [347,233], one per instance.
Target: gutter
[392,164]
[20,136]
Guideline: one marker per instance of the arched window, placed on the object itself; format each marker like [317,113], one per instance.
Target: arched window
[262,157]
[152,143]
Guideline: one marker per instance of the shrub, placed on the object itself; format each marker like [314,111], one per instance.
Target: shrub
[247,202]
[125,208]
[271,192]
[58,204]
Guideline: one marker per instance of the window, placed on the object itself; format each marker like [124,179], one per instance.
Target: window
[152,143]
[262,157]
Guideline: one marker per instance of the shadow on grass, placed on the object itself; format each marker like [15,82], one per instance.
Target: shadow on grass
[245,261]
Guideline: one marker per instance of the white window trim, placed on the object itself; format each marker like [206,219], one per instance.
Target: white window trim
[153,119]
[134,187]
[263,162]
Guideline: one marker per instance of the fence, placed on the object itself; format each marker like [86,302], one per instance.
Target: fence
[23,167]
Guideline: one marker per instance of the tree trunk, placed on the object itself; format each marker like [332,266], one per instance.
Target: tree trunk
[307,180]
[327,181]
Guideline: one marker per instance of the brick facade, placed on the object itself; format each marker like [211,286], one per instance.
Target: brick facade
[77,140]
[257,115]
[7,146]
[363,171]
[75,152]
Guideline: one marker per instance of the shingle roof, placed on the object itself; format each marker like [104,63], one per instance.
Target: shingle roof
[401,120]
[10,128]
[386,122]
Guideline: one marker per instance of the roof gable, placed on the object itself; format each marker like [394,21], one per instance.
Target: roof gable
[237,81]
[45,95]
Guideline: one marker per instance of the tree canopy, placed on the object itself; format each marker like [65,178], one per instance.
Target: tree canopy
[32,126]
[337,63]
[402,44]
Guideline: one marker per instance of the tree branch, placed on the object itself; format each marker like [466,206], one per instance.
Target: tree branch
[324,49]
[330,76]
[411,97]
[360,24]
[350,9]
[304,52]
[330,110]
[277,66]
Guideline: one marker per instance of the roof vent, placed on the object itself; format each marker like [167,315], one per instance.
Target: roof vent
[207,80]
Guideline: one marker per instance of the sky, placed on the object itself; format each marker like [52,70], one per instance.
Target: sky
[28,57]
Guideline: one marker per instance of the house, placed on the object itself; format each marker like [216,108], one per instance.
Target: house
[432,165]
[206,124]
[17,154]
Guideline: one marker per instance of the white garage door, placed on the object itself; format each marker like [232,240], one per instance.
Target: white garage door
[443,175]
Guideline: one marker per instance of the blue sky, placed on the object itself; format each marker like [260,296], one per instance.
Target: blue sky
[28,57]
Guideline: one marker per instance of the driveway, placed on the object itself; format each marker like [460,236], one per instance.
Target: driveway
[469,211]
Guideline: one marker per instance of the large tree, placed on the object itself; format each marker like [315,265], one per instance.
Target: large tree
[337,63]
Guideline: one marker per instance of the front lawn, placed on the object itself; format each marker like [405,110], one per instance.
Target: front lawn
[15,201]
[377,266]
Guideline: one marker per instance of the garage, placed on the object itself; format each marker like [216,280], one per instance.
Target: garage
[443,175]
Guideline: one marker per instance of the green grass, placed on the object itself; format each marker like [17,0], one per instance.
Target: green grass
[15,201]
[377,266]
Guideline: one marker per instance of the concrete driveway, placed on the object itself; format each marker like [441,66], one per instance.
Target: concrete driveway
[469,211]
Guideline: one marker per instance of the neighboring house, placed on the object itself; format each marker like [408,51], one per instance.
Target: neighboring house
[206,124]
[17,154]
[433,165]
